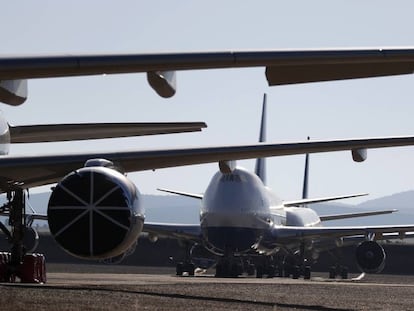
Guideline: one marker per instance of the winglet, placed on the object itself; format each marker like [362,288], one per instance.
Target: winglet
[260,169]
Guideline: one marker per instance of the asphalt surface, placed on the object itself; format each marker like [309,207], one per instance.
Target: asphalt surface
[88,287]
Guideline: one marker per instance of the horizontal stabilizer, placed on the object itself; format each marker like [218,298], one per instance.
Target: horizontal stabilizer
[320,200]
[67,132]
[186,194]
[354,215]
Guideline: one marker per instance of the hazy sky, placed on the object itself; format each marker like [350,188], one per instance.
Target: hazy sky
[227,100]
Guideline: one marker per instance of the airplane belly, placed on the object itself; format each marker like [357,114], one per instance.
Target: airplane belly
[236,233]
[234,239]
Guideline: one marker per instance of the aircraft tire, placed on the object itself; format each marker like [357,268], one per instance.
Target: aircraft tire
[179,269]
[307,273]
[332,272]
[259,272]
[344,273]
[296,272]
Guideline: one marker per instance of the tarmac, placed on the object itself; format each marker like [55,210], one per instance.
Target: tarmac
[90,287]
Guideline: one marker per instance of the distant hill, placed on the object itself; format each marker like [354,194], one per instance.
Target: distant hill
[179,209]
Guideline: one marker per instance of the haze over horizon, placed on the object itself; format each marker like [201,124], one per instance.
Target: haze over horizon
[227,100]
[169,208]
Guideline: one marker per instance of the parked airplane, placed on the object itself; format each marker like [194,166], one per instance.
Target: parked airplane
[95,211]
[282,66]
[242,220]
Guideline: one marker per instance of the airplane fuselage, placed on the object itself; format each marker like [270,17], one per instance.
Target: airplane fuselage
[238,210]
[4,135]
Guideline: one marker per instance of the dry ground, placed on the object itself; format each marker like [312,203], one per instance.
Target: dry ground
[71,288]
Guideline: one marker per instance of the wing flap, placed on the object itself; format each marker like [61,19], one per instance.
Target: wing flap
[319,72]
[67,132]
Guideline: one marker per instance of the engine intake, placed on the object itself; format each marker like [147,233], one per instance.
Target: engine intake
[95,213]
[370,257]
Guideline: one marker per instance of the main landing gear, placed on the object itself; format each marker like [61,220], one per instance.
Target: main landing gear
[16,264]
[337,270]
[229,267]
[186,266]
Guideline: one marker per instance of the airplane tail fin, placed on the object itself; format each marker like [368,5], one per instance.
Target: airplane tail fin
[305,189]
[260,168]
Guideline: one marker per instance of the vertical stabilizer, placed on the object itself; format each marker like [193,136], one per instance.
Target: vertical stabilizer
[306,178]
[260,168]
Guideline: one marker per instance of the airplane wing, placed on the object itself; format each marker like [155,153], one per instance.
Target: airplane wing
[30,171]
[178,231]
[282,66]
[66,132]
[354,215]
[289,233]
[320,200]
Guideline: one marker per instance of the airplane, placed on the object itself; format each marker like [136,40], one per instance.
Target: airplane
[246,227]
[95,212]
[93,194]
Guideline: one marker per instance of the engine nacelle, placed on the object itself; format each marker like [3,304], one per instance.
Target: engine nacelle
[30,239]
[163,82]
[95,213]
[13,92]
[370,257]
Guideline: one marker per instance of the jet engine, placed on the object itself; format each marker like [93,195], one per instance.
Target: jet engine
[370,257]
[95,212]
[30,239]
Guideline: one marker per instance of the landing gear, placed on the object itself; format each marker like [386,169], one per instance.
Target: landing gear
[266,267]
[296,271]
[229,267]
[295,266]
[186,266]
[338,270]
[16,264]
